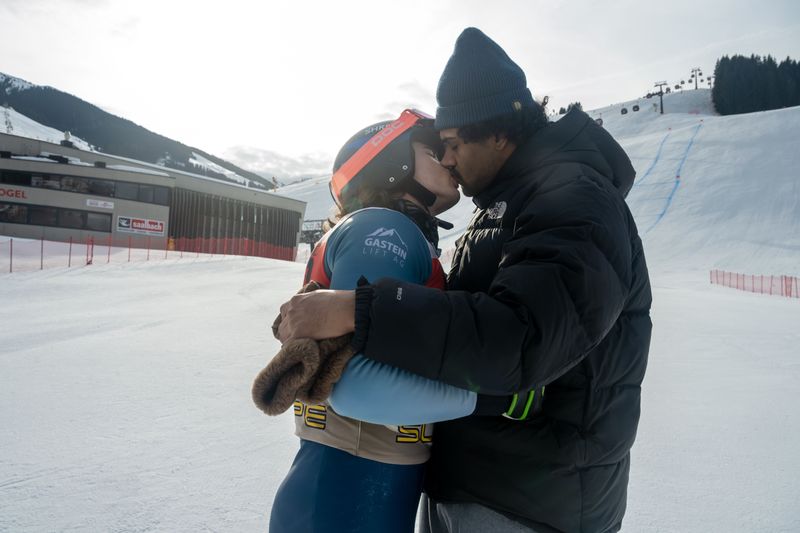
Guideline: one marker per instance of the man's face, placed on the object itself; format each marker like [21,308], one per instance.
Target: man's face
[473,165]
[429,173]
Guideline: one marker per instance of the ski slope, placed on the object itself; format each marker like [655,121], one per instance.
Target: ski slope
[15,123]
[125,398]
[125,402]
[711,191]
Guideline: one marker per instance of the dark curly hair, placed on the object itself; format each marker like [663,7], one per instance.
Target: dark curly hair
[517,126]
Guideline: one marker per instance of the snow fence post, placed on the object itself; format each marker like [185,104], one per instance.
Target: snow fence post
[41,256]
[69,260]
[89,250]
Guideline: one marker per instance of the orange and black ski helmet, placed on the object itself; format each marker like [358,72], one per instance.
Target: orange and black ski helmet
[382,156]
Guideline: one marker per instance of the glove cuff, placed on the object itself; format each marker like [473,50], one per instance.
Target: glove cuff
[364,296]
[491,405]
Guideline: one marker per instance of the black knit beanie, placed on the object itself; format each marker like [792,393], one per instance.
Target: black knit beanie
[479,82]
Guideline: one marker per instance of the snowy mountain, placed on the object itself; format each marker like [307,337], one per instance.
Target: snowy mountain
[15,123]
[46,113]
[11,84]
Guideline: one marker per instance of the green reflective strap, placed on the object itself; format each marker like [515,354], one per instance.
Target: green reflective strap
[530,407]
[513,405]
[531,396]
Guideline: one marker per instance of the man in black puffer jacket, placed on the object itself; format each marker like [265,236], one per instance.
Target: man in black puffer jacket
[548,297]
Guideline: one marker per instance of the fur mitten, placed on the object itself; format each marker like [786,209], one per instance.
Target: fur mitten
[303,369]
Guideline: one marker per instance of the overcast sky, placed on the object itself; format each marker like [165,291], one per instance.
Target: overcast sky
[279,86]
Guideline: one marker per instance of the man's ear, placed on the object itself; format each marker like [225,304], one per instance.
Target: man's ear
[500,142]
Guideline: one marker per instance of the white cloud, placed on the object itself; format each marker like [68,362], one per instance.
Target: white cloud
[268,163]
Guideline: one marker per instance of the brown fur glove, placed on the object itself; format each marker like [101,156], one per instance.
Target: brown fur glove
[303,369]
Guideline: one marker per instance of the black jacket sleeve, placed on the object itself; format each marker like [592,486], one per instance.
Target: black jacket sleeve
[561,284]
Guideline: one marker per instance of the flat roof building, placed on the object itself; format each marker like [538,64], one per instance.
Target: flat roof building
[59,193]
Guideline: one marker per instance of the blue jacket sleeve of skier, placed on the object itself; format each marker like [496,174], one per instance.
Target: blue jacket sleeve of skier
[377,243]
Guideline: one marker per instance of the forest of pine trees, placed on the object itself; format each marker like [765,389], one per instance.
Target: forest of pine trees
[570,107]
[747,84]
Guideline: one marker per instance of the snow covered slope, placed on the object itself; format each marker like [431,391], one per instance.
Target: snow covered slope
[696,102]
[316,194]
[711,191]
[125,402]
[130,409]
[16,123]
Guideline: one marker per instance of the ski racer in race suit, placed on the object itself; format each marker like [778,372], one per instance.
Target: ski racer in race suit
[351,475]
[548,287]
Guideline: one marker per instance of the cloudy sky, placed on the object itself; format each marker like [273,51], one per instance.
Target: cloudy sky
[278,86]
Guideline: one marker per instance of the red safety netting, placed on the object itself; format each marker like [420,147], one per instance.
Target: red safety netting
[788,286]
[18,255]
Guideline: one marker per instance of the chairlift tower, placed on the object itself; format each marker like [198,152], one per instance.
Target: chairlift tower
[660,85]
[697,71]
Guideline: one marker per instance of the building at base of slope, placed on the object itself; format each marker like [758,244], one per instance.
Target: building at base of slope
[59,193]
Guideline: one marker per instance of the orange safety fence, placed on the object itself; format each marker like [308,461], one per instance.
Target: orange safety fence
[18,255]
[788,286]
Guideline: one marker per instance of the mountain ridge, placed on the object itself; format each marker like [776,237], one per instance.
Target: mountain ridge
[109,133]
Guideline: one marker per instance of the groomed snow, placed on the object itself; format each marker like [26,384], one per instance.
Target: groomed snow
[125,403]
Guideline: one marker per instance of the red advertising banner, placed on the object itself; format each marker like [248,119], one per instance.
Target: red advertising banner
[143,226]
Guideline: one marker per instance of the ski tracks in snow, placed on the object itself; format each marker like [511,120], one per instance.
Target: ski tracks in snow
[651,201]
